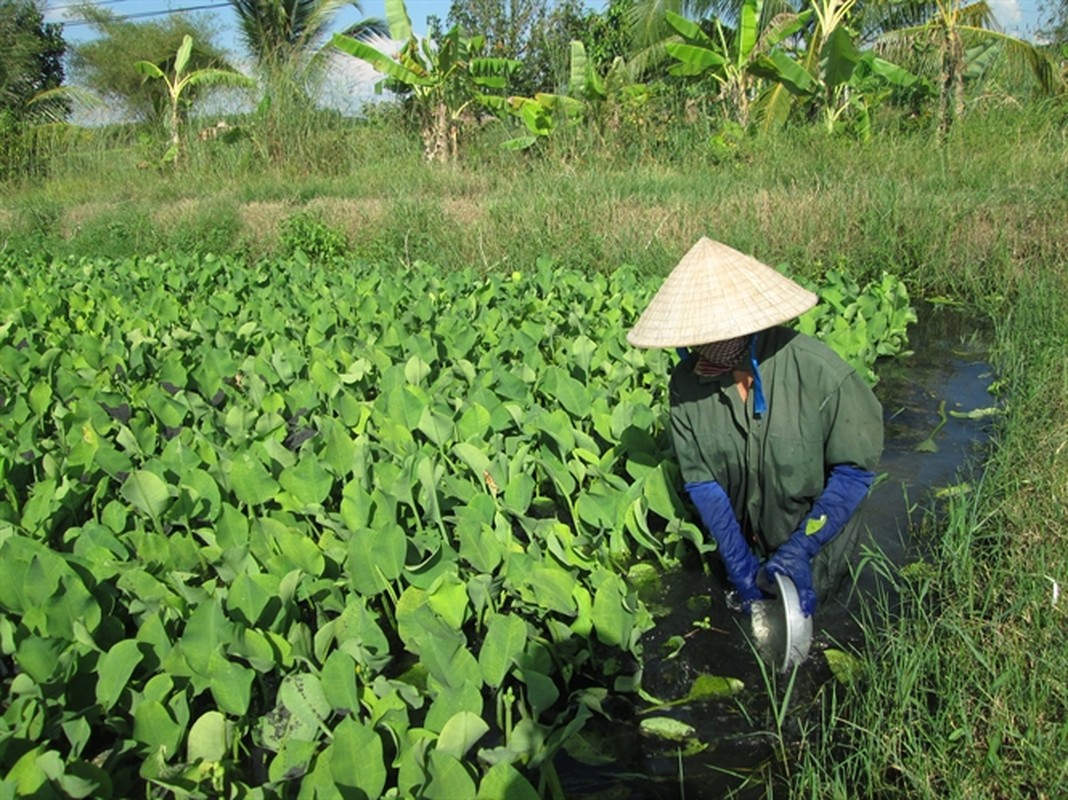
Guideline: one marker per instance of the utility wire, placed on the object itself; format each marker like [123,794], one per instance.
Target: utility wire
[80,5]
[146,14]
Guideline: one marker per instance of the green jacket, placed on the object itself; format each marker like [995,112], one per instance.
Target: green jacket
[819,413]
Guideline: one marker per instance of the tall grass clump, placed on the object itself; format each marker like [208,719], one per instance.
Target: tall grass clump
[966,688]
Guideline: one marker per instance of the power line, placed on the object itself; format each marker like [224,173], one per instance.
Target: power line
[81,5]
[146,14]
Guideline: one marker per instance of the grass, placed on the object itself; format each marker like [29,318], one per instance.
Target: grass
[966,693]
[966,689]
[992,203]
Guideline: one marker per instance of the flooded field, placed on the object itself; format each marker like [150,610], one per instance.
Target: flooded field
[937,407]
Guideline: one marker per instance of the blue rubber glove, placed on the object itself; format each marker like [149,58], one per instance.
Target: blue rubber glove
[718,516]
[846,488]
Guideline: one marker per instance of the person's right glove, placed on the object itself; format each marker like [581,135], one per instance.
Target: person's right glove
[718,516]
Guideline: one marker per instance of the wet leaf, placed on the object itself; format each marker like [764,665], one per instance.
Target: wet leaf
[666,728]
[845,667]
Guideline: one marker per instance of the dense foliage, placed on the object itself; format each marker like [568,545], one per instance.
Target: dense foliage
[270,531]
[31,55]
[106,64]
[31,65]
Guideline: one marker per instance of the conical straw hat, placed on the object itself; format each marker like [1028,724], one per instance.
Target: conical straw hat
[717,293]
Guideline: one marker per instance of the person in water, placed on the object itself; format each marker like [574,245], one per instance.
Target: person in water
[776,436]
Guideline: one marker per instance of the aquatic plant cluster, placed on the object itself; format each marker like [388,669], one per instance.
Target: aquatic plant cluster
[299,529]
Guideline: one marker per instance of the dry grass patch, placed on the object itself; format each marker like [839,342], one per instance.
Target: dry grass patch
[77,216]
[674,227]
[171,215]
[464,211]
[351,216]
[260,222]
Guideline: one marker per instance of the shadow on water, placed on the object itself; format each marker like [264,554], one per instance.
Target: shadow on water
[930,446]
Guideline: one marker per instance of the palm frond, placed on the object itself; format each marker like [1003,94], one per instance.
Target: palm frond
[367,29]
[647,21]
[1019,56]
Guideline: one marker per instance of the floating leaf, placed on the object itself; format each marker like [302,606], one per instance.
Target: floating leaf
[666,728]
[714,687]
[977,413]
[844,666]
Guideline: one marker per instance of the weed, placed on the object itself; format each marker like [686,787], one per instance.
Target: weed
[307,233]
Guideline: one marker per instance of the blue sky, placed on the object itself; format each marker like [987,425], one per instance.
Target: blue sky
[59,11]
[1016,16]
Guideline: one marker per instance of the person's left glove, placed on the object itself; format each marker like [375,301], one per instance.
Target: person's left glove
[846,488]
[794,560]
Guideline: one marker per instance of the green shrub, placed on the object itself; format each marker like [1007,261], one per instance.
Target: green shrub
[307,233]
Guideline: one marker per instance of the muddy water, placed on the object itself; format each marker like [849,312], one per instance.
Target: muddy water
[740,738]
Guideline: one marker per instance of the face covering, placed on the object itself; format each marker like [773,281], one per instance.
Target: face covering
[717,358]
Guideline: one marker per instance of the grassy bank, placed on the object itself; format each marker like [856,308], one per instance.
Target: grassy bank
[991,206]
[966,691]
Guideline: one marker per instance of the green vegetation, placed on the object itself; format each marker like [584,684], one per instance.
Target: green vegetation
[964,691]
[249,531]
[105,65]
[277,491]
[181,82]
[31,68]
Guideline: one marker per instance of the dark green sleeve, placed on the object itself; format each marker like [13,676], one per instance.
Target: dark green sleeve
[853,425]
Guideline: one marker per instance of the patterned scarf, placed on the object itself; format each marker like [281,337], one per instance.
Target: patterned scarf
[718,358]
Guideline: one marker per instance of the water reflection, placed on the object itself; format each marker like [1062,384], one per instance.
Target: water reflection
[947,373]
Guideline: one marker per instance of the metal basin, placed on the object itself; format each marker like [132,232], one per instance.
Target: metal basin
[783,635]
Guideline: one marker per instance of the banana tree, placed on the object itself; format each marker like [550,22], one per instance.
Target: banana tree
[588,92]
[444,78]
[956,33]
[179,81]
[727,55]
[841,81]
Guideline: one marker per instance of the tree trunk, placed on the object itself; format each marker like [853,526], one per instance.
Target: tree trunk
[436,134]
[958,76]
[176,141]
[944,83]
